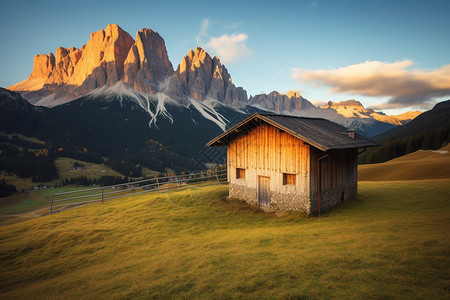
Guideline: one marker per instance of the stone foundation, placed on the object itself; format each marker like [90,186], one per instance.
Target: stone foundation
[289,202]
[247,194]
[331,198]
[328,199]
[277,200]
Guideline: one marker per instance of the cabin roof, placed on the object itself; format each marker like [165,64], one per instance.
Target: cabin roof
[320,133]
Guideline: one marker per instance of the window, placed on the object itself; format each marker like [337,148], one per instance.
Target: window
[288,179]
[240,173]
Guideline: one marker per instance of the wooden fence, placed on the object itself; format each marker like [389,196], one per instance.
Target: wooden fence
[63,201]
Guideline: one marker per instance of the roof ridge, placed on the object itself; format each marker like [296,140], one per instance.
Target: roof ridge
[320,133]
[291,116]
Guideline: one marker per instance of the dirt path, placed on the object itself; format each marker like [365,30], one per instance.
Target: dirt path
[6,219]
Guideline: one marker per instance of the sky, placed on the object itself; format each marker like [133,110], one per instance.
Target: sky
[392,55]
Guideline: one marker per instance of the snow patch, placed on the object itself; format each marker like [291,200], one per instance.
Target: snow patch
[154,105]
[209,113]
[118,90]
[213,103]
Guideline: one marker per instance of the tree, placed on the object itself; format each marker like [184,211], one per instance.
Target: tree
[6,189]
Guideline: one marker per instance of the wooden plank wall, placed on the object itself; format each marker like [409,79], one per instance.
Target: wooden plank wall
[265,151]
[338,169]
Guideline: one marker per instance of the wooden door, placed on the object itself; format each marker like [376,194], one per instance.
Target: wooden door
[264,191]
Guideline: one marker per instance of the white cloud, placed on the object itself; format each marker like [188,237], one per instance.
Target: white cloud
[230,48]
[402,86]
[203,33]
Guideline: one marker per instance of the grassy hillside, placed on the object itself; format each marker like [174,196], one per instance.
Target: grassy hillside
[430,130]
[20,206]
[415,166]
[389,243]
[94,171]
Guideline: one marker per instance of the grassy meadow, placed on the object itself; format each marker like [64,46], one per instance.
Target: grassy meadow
[22,202]
[94,171]
[22,206]
[422,164]
[65,170]
[392,242]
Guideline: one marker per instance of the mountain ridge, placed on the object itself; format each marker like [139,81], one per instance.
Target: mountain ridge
[353,108]
[112,60]
[429,130]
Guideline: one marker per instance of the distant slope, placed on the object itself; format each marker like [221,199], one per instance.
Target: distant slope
[130,132]
[430,130]
[422,164]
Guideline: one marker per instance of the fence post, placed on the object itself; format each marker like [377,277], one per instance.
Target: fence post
[102,194]
[51,206]
[157,182]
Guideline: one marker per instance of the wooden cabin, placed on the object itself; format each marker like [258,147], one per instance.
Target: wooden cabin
[292,163]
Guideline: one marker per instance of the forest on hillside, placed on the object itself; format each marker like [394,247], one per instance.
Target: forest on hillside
[429,131]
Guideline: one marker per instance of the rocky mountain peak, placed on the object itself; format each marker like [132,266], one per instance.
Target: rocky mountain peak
[102,58]
[202,77]
[194,60]
[43,65]
[72,72]
[147,63]
[354,109]
[293,94]
[109,56]
[280,103]
[352,103]
[112,55]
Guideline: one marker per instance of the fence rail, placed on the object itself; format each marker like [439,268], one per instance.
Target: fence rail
[63,201]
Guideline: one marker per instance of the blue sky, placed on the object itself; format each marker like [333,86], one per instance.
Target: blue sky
[391,55]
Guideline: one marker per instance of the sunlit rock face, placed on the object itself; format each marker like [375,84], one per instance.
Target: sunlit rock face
[147,63]
[98,62]
[202,77]
[352,108]
[276,102]
[407,116]
[109,56]
[112,55]
[102,58]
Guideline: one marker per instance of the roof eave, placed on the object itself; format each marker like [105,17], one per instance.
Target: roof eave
[214,142]
[229,131]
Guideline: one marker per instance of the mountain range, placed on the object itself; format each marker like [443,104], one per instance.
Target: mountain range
[120,99]
[113,62]
[430,130]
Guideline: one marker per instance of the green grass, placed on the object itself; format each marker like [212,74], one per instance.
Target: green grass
[52,191]
[149,173]
[93,171]
[24,202]
[25,205]
[65,170]
[390,243]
